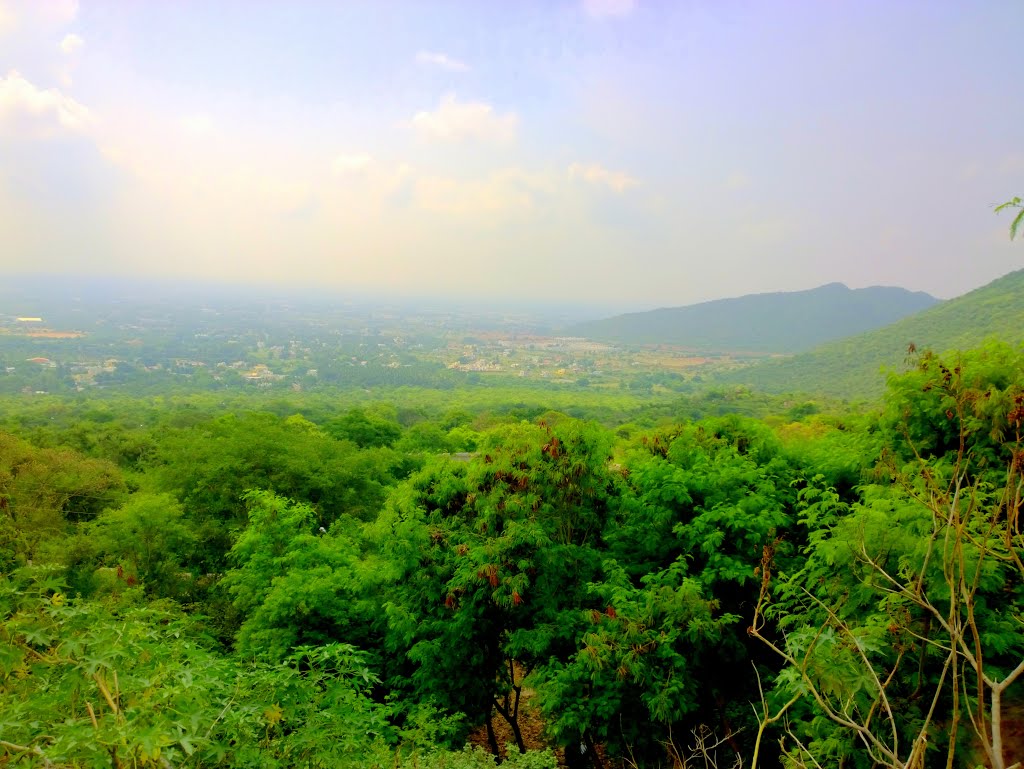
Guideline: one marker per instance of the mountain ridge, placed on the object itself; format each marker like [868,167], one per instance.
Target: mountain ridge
[852,366]
[770,322]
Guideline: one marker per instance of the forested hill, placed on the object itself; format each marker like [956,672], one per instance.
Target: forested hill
[852,367]
[790,321]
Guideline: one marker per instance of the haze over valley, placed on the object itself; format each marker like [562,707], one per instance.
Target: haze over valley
[621,153]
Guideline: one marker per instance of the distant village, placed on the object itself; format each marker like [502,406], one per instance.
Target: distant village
[100,346]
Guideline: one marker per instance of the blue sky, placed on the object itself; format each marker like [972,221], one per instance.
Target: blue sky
[637,153]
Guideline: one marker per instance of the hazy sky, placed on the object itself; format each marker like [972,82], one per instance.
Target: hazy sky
[642,152]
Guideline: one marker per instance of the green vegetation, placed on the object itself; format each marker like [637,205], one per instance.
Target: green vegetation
[293,579]
[258,548]
[853,367]
[1014,204]
[763,323]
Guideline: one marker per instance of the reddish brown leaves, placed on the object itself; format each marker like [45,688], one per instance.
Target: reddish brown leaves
[490,573]
[1016,415]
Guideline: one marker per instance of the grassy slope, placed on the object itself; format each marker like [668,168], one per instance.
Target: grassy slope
[852,367]
[778,322]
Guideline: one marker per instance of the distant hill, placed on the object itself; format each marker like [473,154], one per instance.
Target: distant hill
[765,323]
[852,367]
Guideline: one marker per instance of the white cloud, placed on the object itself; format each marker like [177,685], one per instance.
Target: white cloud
[601,9]
[442,60]
[457,121]
[348,164]
[71,43]
[592,173]
[30,111]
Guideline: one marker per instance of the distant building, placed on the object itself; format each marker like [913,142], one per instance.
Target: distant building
[262,374]
[29,320]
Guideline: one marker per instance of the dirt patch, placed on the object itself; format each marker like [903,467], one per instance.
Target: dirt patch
[1013,737]
[531,726]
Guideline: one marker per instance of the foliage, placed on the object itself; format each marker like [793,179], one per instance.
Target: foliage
[478,758]
[216,461]
[210,466]
[898,639]
[94,685]
[365,429]
[44,491]
[959,404]
[492,558]
[842,450]
[147,539]
[294,585]
[1018,220]
[290,578]
[640,663]
[708,498]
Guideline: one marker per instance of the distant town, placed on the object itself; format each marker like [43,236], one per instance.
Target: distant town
[84,344]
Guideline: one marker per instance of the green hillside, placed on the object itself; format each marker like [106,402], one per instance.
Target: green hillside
[790,321]
[852,367]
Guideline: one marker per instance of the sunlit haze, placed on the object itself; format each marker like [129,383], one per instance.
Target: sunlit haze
[634,153]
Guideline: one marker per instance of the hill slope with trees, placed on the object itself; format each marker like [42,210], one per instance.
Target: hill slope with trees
[789,321]
[852,367]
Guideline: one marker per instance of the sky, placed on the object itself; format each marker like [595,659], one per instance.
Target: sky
[633,153]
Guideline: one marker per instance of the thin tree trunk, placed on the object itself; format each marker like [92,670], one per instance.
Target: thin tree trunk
[998,762]
[592,752]
[513,722]
[491,739]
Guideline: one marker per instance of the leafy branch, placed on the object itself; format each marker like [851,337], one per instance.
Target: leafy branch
[1018,220]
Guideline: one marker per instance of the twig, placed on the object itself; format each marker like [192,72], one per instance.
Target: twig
[106,694]
[33,749]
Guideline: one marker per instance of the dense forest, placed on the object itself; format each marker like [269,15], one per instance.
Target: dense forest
[255,580]
[565,384]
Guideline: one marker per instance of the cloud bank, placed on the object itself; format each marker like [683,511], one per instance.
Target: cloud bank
[460,121]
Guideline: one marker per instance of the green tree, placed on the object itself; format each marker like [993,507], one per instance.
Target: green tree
[640,664]
[99,685]
[149,535]
[707,498]
[425,437]
[295,585]
[364,428]
[491,561]
[210,466]
[44,491]
[902,627]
